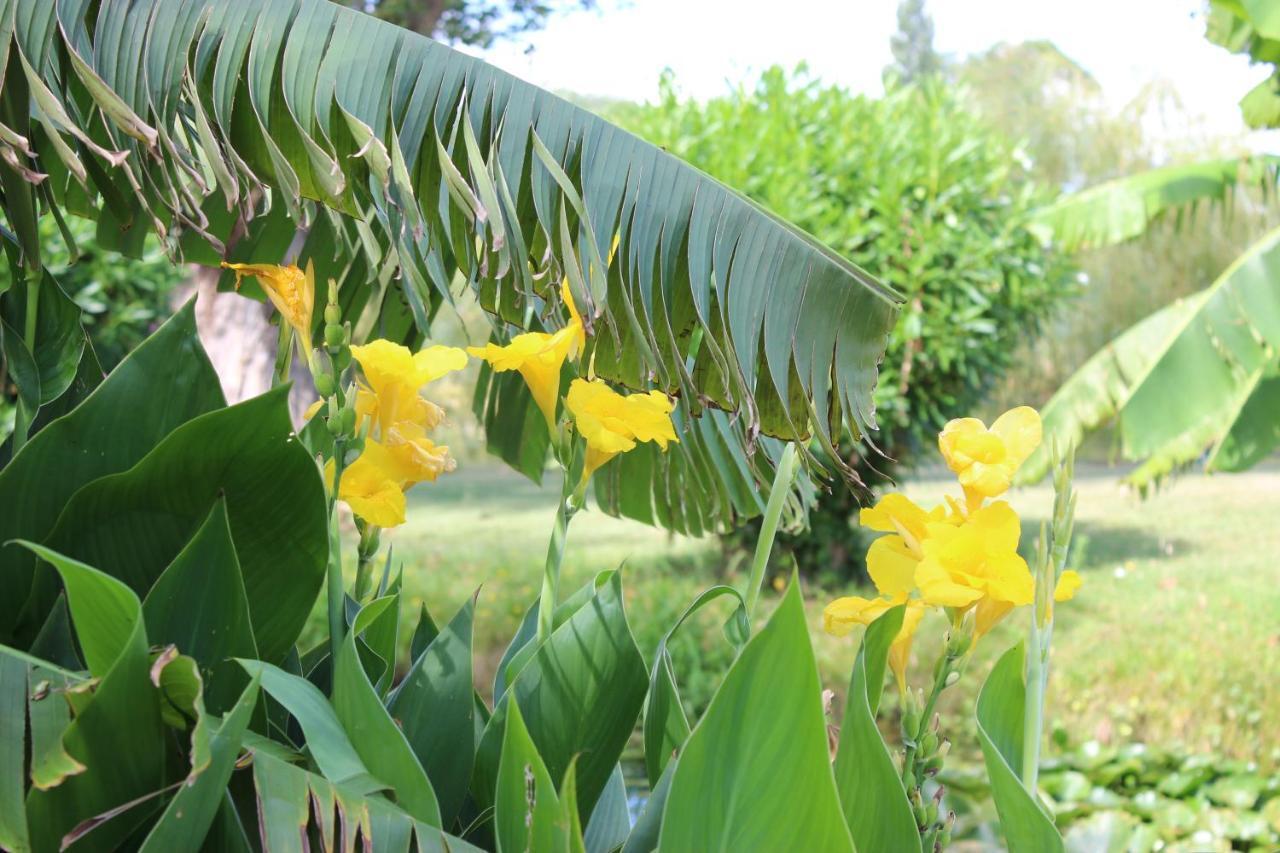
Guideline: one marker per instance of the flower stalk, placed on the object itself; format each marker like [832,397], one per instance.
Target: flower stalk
[1051,564]
[548,598]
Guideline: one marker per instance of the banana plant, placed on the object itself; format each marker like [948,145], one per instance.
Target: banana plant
[1198,379]
[302,131]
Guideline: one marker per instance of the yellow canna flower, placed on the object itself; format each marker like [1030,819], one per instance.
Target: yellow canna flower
[613,424]
[292,291]
[892,560]
[977,562]
[371,486]
[841,615]
[985,460]
[393,379]
[539,356]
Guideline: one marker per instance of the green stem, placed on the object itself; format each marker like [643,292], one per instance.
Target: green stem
[782,480]
[24,418]
[367,550]
[333,577]
[284,356]
[1034,711]
[555,556]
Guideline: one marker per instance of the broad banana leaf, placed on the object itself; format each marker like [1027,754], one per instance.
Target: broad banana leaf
[276,130]
[1122,209]
[1251,27]
[1200,377]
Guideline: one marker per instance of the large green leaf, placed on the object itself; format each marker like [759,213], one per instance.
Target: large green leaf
[192,810]
[1023,820]
[755,773]
[528,813]
[871,792]
[580,695]
[133,524]
[165,382]
[439,164]
[666,727]
[434,707]
[59,338]
[199,605]
[13,736]
[285,795]
[1201,375]
[118,735]
[377,739]
[1122,209]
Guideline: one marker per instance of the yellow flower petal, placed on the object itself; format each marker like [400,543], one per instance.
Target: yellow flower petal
[612,423]
[290,290]
[893,510]
[1020,431]
[1068,584]
[892,566]
[988,614]
[939,589]
[539,357]
[436,361]
[900,650]
[372,486]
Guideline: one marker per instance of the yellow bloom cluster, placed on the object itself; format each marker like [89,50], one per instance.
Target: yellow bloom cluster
[397,452]
[961,557]
[611,423]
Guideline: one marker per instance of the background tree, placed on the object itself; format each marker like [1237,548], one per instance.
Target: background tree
[1070,136]
[918,190]
[1200,377]
[913,55]
[472,22]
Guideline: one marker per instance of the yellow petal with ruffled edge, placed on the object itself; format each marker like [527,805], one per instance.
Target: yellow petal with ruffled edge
[892,566]
[438,361]
[1068,584]
[612,423]
[894,510]
[1021,431]
[371,486]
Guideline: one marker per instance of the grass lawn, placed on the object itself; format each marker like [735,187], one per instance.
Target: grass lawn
[1174,639]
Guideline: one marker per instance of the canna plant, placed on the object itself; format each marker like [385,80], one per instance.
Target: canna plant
[162,550]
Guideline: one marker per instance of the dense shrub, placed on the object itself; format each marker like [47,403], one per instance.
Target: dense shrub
[920,192]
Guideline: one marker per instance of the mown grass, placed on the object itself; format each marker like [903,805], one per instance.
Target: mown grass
[1174,639]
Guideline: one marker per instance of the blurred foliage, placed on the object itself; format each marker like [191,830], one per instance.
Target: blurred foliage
[1140,797]
[1071,137]
[123,300]
[922,193]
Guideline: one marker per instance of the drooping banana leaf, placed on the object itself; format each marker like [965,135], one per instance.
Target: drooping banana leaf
[1198,378]
[275,129]
[1119,210]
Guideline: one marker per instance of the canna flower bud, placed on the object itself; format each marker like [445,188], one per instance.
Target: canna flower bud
[334,336]
[324,384]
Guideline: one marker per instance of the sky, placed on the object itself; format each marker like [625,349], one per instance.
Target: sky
[714,44]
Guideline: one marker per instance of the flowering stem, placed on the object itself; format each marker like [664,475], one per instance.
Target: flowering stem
[555,556]
[1051,561]
[367,550]
[782,480]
